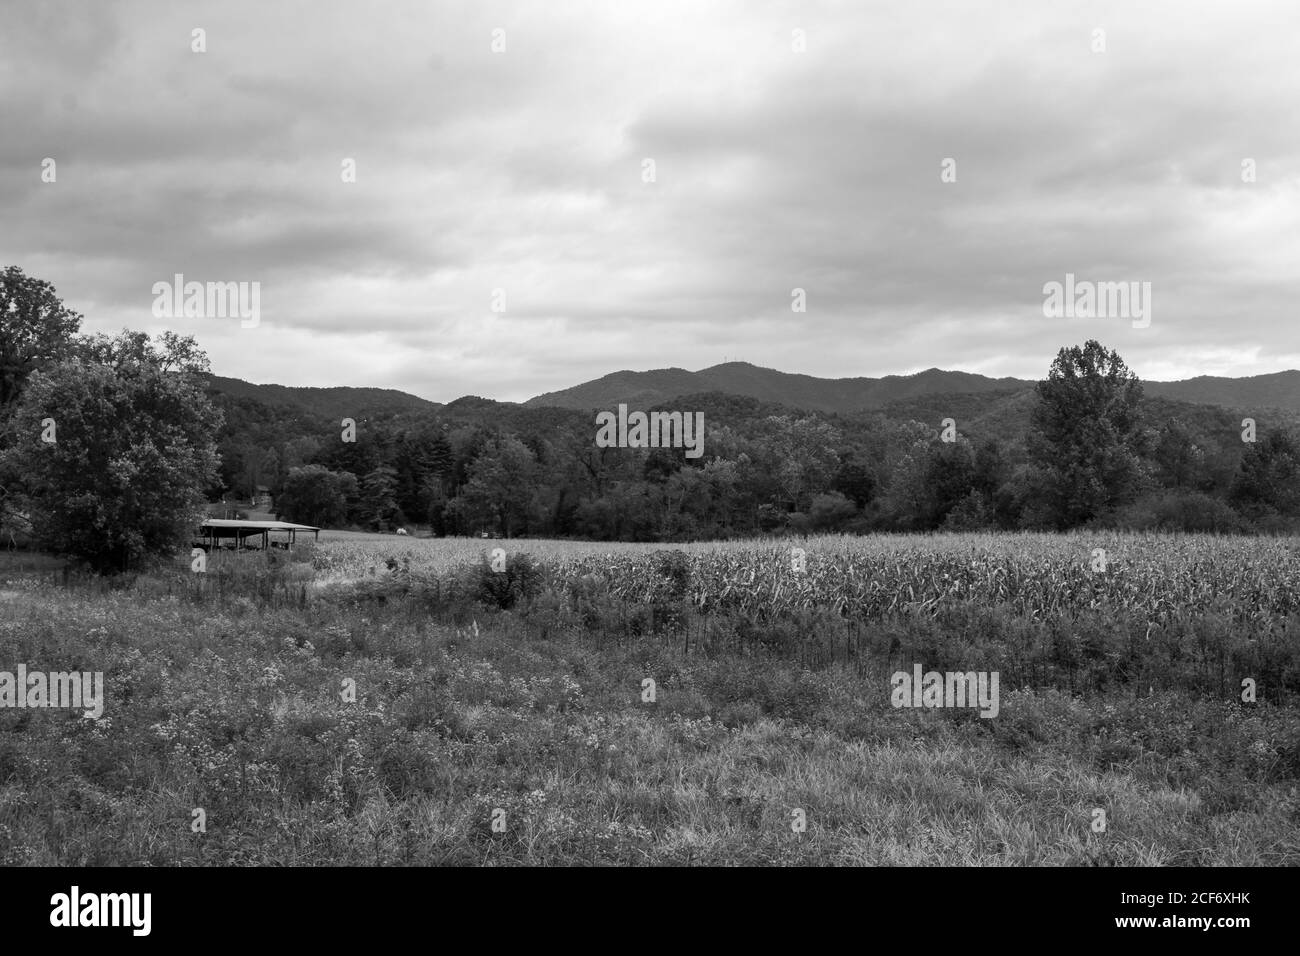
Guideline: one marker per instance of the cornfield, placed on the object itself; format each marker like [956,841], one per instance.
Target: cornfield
[1255,580]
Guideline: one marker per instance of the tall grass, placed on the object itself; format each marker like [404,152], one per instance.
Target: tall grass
[482,696]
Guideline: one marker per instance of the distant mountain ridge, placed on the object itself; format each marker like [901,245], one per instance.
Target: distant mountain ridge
[769,385]
[844,395]
[892,393]
[336,402]
[1275,390]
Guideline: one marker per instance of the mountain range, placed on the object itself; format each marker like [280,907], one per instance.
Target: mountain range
[336,402]
[1278,390]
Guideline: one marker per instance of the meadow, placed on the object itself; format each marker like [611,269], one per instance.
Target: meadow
[401,701]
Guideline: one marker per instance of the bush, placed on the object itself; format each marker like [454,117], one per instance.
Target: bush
[521,578]
[675,566]
[831,512]
[1175,511]
[972,513]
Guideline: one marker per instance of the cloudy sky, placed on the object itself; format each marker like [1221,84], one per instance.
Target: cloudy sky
[524,170]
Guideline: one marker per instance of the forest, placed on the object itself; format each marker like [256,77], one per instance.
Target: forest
[1083,448]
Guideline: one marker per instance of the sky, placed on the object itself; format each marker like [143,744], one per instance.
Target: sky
[921,170]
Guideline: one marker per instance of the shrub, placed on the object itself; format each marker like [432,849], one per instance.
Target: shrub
[675,567]
[521,578]
[1176,511]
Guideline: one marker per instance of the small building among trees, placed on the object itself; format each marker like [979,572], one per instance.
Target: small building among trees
[215,532]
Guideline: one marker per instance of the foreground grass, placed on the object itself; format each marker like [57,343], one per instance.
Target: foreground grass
[233,706]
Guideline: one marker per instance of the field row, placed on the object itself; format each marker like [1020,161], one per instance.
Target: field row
[1253,579]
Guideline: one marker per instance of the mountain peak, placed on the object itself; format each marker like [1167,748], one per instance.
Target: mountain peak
[659,386]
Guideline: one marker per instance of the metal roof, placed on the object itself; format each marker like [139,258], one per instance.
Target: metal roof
[256,525]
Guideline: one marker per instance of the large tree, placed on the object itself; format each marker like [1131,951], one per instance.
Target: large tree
[379,508]
[1085,438]
[115,446]
[1268,480]
[500,485]
[804,460]
[1180,462]
[315,495]
[423,462]
[35,328]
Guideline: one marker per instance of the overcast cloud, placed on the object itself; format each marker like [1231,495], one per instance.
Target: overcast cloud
[775,169]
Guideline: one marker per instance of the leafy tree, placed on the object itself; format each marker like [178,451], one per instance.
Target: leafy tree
[116,445]
[436,513]
[360,457]
[721,480]
[1180,462]
[269,465]
[594,518]
[500,484]
[990,468]
[35,329]
[379,499]
[1179,510]
[804,457]
[634,511]
[949,479]
[661,464]
[683,497]
[314,495]
[830,511]
[995,504]
[424,461]
[906,498]
[972,513]
[854,481]
[298,452]
[1268,480]
[1085,437]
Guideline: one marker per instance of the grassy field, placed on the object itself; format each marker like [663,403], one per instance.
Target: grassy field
[503,717]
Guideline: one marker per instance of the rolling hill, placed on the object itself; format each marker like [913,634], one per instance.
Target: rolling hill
[1280,390]
[329,403]
[643,389]
[1277,390]
[934,393]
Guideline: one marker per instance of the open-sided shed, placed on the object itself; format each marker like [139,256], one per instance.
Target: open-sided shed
[214,531]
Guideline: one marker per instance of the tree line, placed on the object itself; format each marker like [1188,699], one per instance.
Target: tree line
[1089,451]
[111,447]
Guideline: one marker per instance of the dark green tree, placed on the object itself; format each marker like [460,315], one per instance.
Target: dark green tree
[314,495]
[949,479]
[500,484]
[854,480]
[35,329]
[1268,480]
[379,508]
[1085,436]
[1180,462]
[116,446]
